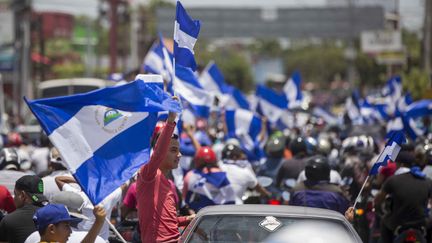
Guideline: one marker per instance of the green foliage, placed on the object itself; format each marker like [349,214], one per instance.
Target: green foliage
[416,82]
[269,48]
[232,63]
[67,70]
[370,74]
[316,63]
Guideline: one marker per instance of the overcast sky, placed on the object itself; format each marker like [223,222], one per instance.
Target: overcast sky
[411,10]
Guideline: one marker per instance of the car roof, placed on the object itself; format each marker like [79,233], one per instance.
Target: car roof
[273,210]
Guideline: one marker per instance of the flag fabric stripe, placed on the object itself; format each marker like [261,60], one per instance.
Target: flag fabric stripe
[89,137]
[127,153]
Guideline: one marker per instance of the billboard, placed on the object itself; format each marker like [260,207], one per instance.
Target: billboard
[7,28]
[381,41]
[334,22]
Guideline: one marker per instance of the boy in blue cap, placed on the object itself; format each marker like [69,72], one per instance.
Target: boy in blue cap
[53,223]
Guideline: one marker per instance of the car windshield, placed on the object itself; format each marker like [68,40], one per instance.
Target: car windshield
[240,228]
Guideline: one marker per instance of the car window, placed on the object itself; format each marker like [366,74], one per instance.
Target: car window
[236,228]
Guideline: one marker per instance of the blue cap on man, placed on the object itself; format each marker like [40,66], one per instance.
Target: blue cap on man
[53,214]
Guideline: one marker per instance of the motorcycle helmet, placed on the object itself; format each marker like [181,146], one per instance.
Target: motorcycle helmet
[298,146]
[232,152]
[9,159]
[275,147]
[205,156]
[317,169]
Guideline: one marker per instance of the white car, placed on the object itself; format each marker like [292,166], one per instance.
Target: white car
[269,223]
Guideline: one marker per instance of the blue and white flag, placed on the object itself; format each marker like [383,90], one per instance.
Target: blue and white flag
[402,104]
[153,61]
[188,87]
[391,92]
[186,32]
[104,135]
[390,151]
[373,113]
[292,90]
[243,125]
[212,80]
[419,108]
[205,189]
[352,107]
[327,116]
[271,104]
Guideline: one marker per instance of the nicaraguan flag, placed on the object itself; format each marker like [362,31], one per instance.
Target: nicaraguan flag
[188,87]
[237,99]
[271,104]
[327,116]
[212,80]
[402,104]
[243,125]
[153,61]
[373,113]
[104,135]
[419,108]
[205,189]
[186,32]
[292,90]
[352,107]
[390,152]
[392,91]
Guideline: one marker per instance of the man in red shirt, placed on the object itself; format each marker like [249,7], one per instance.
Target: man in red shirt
[157,212]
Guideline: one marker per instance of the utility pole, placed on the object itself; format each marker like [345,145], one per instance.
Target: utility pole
[134,37]
[427,39]
[113,35]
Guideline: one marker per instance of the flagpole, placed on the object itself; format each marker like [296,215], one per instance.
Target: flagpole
[106,220]
[115,230]
[361,190]
[364,183]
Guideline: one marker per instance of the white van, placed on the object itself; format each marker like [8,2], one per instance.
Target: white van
[62,87]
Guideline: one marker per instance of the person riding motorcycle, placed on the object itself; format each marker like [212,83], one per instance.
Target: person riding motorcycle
[317,191]
[409,191]
[239,172]
[207,184]
[290,169]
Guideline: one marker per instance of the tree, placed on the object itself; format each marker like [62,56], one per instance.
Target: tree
[232,63]
[316,63]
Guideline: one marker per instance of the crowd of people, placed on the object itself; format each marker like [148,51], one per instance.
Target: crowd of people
[316,165]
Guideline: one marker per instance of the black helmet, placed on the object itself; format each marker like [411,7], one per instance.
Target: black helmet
[298,145]
[9,159]
[231,151]
[275,147]
[317,169]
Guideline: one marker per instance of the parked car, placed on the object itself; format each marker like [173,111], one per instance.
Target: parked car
[269,223]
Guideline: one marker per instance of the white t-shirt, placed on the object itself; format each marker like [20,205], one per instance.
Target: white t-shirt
[76,236]
[50,186]
[335,177]
[108,204]
[240,176]
[39,159]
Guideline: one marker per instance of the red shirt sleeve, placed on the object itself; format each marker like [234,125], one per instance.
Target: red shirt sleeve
[148,171]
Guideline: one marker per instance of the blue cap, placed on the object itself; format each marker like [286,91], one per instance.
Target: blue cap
[53,214]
